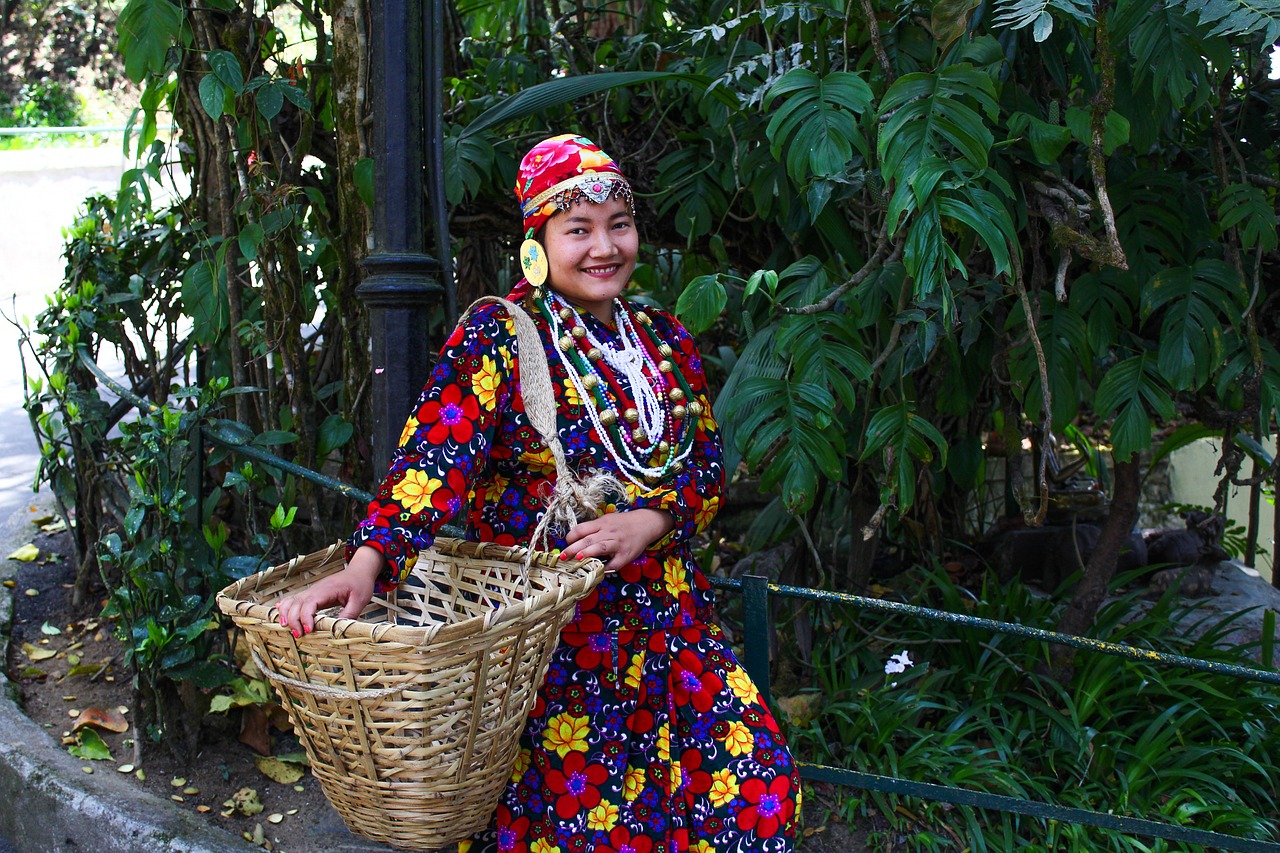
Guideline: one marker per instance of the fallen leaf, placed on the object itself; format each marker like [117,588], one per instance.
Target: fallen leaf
[68,698]
[27,553]
[259,836]
[56,526]
[73,660]
[800,709]
[10,583]
[84,669]
[277,770]
[31,592]
[33,672]
[36,653]
[50,630]
[202,808]
[295,758]
[141,774]
[275,818]
[253,729]
[125,768]
[178,781]
[177,798]
[190,791]
[87,769]
[44,519]
[292,812]
[245,801]
[91,746]
[299,788]
[104,718]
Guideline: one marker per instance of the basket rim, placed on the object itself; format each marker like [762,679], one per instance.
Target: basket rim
[577,579]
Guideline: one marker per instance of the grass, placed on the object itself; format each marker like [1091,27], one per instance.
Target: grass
[975,711]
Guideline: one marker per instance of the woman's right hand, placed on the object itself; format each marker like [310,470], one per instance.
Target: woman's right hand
[352,588]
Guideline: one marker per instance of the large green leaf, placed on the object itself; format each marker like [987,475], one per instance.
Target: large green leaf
[817,126]
[912,439]
[1130,389]
[204,295]
[758,360]
[566,90]
[936,115]
[1247,209]
[1196,301]
[701,303]
[147,29]
[1016,14]
[693,196]
[467,159]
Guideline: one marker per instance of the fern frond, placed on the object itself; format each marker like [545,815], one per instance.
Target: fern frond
[1238,17]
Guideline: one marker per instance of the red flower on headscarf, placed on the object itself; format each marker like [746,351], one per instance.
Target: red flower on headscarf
[577,784]
[769,807]
[452,416]
[692,685]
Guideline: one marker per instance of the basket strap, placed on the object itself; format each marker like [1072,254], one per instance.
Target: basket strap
[320,689]
[573,497]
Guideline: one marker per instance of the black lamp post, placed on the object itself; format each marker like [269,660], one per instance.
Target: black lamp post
[402,281]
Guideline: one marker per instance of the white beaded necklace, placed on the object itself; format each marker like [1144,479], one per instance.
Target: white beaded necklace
[628,362]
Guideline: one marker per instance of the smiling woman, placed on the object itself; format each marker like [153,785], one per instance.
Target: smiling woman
[647,735]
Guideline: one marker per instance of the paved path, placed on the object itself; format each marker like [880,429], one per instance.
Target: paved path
[40,192]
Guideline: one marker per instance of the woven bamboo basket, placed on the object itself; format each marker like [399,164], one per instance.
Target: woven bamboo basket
[412,713]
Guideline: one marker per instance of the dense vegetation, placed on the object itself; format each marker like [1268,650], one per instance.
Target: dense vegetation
[913,237]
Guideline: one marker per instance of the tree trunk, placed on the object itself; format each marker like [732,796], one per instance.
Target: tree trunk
[1102,565]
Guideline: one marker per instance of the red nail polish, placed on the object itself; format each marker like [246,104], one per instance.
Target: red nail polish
[579,557]
[296,634]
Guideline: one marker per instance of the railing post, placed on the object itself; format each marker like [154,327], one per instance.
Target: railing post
[756,627]
[402,280]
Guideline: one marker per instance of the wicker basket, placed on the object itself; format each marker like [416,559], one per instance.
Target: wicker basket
[411,714]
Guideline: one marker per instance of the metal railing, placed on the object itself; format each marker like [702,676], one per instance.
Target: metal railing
[756,592]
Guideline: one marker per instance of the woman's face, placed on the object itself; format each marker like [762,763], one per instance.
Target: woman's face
[591,253]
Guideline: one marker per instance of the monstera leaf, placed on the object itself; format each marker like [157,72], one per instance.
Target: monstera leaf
[815,132]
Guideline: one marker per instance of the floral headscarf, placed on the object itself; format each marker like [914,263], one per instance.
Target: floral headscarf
[561,170]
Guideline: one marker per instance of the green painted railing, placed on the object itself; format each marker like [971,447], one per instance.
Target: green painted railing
[756,592]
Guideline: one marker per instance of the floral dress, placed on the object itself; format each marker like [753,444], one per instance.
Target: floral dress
[647,736]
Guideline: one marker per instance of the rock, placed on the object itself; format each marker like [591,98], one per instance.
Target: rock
[1235,588]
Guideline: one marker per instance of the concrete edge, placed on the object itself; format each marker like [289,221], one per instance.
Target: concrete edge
[47,801]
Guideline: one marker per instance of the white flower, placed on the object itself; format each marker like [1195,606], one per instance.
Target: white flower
[898,663]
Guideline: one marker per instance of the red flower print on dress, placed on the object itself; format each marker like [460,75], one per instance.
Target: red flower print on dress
[449,497]
[692,684]
[622,841]
[577,784]
[452,416]
[769,808]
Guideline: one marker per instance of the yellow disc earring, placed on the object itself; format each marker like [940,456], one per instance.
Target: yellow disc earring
[533,260]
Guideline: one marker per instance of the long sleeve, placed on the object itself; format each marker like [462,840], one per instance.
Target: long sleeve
[693,496]
[445,444]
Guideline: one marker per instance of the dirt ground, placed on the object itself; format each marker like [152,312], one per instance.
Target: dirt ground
[66,663]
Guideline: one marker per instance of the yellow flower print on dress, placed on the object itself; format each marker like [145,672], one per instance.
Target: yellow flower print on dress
[664,743]
[675,576]
[541,462]
[565,734]
[603,817]
[739,740]
[702,845]
[522,764]
[485,382]
[724,787]
[742,686]
[540,845]
[633,783]
[414,491]
[675,778]
[635,670]
[410,427]
[706,512]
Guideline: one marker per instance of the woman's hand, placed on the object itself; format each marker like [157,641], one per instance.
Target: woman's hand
[352,588]
[617,537]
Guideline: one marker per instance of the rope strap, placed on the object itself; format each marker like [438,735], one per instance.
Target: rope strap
[322,690]
[574,497]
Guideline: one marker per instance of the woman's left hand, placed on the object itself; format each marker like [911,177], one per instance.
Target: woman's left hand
[617,537]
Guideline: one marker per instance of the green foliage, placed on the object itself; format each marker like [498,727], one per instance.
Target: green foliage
[1126,738]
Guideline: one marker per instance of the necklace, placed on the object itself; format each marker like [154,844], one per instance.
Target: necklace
[650,437]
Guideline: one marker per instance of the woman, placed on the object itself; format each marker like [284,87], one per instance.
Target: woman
[647,735]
